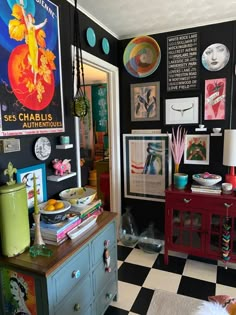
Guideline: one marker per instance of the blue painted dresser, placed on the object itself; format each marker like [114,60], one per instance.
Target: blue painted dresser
[74,280]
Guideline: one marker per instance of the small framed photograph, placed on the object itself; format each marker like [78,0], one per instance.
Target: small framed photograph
[145,101]
[179,111]
[196,150]
[25,175]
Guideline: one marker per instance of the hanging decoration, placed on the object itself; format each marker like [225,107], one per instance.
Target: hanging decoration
[80,102]
[226,239]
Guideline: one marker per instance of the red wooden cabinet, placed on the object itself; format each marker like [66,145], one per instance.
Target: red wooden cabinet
[194,223]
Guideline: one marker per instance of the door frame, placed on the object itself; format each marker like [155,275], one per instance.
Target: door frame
[113,130]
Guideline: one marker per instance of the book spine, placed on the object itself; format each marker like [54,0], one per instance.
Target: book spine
[88,210]
[217,192]
[96,211]
[53,229]
[64,232]
[53,235]
[57,242]
[206,187]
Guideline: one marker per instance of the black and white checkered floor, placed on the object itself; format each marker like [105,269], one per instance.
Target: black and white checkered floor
[140,273]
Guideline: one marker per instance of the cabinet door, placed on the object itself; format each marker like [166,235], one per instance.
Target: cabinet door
[187,231]
[213,243]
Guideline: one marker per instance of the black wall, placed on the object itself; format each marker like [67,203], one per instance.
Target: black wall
[26,156]
[145,211]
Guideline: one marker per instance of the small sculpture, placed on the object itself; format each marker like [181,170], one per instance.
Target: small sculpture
[10,171]
[61,167]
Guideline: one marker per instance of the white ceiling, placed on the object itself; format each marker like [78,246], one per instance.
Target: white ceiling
[126,19]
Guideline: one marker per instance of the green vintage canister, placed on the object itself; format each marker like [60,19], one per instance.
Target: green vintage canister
[14,219]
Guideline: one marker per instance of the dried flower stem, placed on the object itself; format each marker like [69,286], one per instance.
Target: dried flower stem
[177,144]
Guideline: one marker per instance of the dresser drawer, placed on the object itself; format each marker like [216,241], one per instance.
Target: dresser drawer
[71,274]
[182,201]
[77,301]
[98,245]
[106,297]
[100,276]
[199,201]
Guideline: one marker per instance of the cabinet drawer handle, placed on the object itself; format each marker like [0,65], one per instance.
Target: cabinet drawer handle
[77,307]
[187,200]
[76,274]
[227,205]
[108,296]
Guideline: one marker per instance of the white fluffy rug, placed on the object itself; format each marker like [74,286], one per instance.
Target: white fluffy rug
[167,303]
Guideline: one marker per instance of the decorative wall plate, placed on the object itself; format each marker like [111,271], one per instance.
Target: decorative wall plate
[142,56]
[91,37]
[105,46]
[42,148]
[215,57]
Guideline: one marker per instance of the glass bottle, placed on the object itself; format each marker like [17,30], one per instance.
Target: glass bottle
[128,229]
[150,241]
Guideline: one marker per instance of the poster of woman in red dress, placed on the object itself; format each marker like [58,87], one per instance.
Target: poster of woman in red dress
[31,99]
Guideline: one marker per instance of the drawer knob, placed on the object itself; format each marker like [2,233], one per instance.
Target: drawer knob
[108,296]
[227,205]
[76,274]
[187,200]
[77,307]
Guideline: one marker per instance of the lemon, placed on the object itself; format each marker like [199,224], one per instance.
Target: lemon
[59,205]
[51,201]
[49,207]
[80,191]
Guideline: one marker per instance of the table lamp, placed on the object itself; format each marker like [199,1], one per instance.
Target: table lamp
[229,155]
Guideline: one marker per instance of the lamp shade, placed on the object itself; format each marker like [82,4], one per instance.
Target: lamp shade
[229,153]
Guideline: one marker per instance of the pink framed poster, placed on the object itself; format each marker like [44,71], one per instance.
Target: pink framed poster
[215,95]
[19,293]
[31,100]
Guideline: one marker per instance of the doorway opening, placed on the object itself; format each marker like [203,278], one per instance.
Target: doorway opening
[113,130]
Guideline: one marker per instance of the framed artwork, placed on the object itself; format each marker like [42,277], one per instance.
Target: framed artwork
[25,175]
[146,131]
[196,150]
[179,111]
[147,166]
[145,101]
[215,98]
[18,285]
[31,94]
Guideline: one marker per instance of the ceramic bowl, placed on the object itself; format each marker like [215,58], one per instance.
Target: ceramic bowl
[207,179]
[216,130]
[78,196]
[54,216]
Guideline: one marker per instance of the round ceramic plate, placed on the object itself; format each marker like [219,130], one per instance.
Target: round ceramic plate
[105,46]
[42,148]
[215,57]
[91,37]
[142,56]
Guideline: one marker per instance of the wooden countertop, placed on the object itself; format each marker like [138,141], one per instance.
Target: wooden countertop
[45,265]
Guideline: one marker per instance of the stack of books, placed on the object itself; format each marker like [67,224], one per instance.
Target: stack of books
[215,189]
[87,210]
[56,234]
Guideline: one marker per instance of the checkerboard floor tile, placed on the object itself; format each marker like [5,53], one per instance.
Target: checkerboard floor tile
[140,273]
